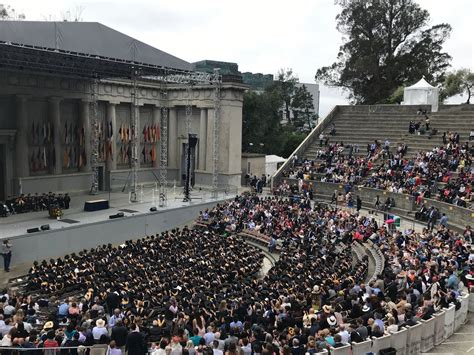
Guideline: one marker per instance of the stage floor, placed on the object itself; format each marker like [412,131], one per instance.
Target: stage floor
[119,202]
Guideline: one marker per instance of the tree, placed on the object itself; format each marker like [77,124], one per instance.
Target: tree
[261,122]
[9,13]
[285,85]
[302,107]
[459,82]
[262,131]
[387,44]
[397,96]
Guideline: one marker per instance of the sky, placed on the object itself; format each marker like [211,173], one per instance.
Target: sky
[261,36]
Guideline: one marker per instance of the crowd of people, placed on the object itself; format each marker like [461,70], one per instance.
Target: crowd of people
[332,165]
[32,203]
[443,173]
[193,291]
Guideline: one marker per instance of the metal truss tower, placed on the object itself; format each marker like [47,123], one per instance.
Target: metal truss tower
[94,121]
[163,195]
[216,81]
[188,116]
[135,143]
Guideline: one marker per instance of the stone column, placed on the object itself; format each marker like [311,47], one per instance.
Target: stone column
[209,140]
[157,123]
[111,118]
[203,139]
[22,158]
[55,119]
[86,124]
[172,138]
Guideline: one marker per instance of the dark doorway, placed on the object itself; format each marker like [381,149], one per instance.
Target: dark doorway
[3,172]
[101,178]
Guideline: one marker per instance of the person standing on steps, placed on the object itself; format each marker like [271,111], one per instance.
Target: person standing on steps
[7,254]
[376,204]
[358,204]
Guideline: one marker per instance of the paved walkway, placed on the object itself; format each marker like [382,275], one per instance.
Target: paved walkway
[461,342]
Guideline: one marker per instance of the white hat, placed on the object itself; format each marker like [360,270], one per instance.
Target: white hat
[100,323]
[332,321]
[365,308]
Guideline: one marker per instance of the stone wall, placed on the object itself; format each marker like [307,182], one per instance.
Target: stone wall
[458,217]
[38,246]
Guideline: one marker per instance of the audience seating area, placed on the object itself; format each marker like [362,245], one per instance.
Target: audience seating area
[362,125]
[351,124]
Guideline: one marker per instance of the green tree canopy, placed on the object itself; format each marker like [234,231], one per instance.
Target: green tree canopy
[285,86]
[302,107]
[459,82]
[387,44]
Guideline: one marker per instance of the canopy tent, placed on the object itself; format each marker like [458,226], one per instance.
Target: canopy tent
[421,93]
[272,163]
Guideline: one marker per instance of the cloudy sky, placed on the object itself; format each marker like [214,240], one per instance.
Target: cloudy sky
[260,35]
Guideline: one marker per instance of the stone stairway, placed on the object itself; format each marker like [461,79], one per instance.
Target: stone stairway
[364,128]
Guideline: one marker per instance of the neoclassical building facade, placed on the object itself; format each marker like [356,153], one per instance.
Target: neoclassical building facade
[45,133]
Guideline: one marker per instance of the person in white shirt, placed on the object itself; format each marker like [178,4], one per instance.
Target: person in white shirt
[99,329]
[215,348]
[345,336]
[245,346]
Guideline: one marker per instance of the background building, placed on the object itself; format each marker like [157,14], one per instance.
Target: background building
[255,81]
[45,133]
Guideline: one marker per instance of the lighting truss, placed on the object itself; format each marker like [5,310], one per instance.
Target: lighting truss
[94,158]
[163,196]
[135,143]
[188,115]
[216,132]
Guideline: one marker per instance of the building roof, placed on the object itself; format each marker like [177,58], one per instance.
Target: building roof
[91,38]
[274,159]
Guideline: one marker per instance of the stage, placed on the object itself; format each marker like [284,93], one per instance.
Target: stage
[78,230]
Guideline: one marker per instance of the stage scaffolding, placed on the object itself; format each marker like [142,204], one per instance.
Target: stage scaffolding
[53,61]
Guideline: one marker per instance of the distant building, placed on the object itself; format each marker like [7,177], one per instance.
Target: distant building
[208,66]
[256,81]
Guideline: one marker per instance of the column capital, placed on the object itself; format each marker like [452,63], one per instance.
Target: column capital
[55,99]
[22,97]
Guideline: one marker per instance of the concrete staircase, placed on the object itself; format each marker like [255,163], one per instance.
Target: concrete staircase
[363,128]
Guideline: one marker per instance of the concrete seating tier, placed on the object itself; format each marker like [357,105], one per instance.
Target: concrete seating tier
[364,128]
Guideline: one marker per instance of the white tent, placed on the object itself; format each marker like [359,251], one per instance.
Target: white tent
[421,93]
[272,163]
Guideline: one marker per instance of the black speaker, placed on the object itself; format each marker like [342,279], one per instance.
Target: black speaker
[117,215]
[45,227]
[153,209]
[32,230]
